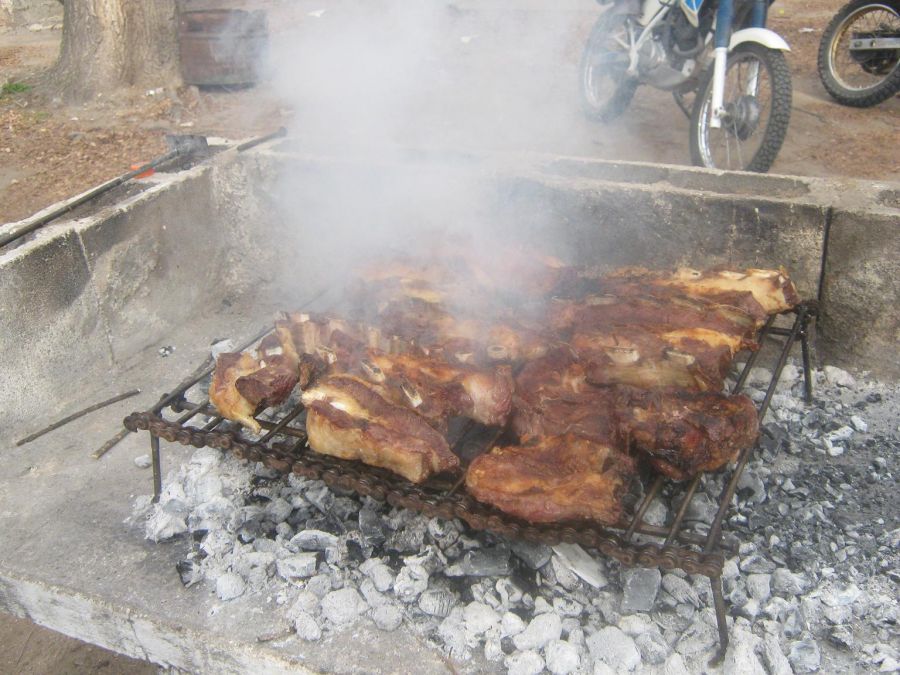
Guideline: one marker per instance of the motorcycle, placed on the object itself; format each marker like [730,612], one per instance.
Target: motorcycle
[859,54]
[739,78]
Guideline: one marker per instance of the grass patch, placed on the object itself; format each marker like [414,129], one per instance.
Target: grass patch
[10,88]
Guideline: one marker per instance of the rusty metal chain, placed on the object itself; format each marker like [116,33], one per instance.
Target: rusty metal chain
[384,486]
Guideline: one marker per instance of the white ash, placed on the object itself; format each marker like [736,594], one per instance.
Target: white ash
[813,587]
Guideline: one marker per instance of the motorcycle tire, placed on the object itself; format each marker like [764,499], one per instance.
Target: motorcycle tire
[840,90]
[772,132]
[595,106]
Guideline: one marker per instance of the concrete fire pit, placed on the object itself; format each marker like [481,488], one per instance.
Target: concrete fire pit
[134,294]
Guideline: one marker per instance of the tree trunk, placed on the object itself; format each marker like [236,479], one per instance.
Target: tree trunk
[108,44]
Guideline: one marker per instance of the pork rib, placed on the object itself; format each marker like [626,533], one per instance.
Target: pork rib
[346,418]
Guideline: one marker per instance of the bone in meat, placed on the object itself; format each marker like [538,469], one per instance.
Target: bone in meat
[555,479]
[346,418]
[684,434]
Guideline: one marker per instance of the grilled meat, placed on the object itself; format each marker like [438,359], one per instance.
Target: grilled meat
[243,383]
[672,313]
[439,390]
[556,479]
[642,357]
[347,418]
[684,434]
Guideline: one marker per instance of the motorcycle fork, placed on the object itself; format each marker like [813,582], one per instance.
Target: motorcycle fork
[724,17]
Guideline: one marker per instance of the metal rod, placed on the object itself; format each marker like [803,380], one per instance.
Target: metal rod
[76,415]
[212,424]
[751,360]
[807,367]
[106,447]
[31,226]
[782,359]
[253,142]
[721,619]
[642,509]
[157,468]
[192,411]
[682,509]
[283,422]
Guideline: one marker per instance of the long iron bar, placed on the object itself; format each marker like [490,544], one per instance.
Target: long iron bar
[715,529]
[157,468]
[642,509]
[682,509]
[751,360]
[282,423]
[74,416]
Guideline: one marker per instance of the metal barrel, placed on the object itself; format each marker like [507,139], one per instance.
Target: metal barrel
[222,47]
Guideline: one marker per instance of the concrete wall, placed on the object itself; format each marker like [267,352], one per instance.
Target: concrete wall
[85,295]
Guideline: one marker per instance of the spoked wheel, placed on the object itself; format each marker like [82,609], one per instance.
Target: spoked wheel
[606,89]
[757,106]
[859,55]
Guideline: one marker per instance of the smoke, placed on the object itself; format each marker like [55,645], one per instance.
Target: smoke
[409,107]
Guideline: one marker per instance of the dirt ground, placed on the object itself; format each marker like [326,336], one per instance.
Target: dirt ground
[50,151]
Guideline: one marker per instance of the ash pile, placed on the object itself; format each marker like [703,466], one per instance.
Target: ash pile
[812,588]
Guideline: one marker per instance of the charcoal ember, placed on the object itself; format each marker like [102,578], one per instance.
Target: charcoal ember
[307,628]
[229,586]
[653,648]
[278,510]
[320,497]
[511,625]
[567,606]
[437,602]
[680,590]
[485,562]
[380,574]
[431,558]
[313,540]
[410,538]
[444,533]
[697,639]
[741,655]
[562,574]
[842,637]
[452,632]
[299,566]
[561,657]
[582,564]
[614,648]
[508,592]
[533,555]
[759,586]
[189,572]
[541,630]
[541,606]
[493,649]
[345,508]
[478,618]
[319,585]
[358,550]
[757,564]
[371,527]
[773,657]
[387,617]
[640,587]
[343,606]
[305,602]
[524,663]
[805,656]
[411,582]
[786,582]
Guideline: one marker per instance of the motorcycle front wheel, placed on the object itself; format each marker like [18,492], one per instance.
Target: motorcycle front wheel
[854,71]
[606,89]
[757,106]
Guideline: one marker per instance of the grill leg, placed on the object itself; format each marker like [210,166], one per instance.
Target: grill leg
[719,603]
[807,368]
[157,469]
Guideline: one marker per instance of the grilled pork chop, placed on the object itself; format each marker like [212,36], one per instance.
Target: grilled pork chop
[347,418]
[558,478]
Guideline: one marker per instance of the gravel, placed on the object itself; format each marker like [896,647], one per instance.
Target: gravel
[812,587]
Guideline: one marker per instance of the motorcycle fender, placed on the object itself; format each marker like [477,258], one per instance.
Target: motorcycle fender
[764,36]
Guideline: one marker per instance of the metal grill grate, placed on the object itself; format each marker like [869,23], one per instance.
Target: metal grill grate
[283,448]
